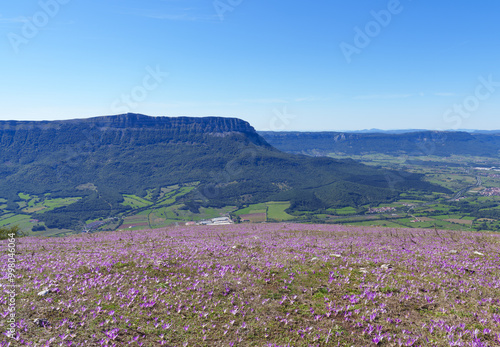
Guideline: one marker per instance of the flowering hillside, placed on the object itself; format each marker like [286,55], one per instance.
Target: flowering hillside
[257,285]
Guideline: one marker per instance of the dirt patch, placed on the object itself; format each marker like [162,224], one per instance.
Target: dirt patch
[141,217]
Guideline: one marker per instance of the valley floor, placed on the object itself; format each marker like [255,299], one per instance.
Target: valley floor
[472,204]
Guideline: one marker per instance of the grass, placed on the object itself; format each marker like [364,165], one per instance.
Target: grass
[383,223]
[51,204]
[24,196]
[460,221]
[172,196]
[32,204]
[343,211]
[276,211]
[12,219]
[135,201]
[251,209]
[261,285]
[271,211]
[431,223]
[407,201]
[447,216]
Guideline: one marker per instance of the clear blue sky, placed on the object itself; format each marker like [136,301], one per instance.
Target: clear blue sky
[281,65]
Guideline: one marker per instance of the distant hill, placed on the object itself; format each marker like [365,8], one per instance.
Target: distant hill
[102,158]
[438,143]
[404,131]
[374,130]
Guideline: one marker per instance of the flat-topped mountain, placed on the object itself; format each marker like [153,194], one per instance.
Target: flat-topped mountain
[124,124]
[137,121]
[102,158]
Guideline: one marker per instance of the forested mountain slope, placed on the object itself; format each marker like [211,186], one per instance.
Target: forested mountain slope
[102,158]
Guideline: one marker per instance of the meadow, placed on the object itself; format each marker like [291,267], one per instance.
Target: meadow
[258,285]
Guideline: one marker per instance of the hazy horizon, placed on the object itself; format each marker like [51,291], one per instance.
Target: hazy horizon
[285,130]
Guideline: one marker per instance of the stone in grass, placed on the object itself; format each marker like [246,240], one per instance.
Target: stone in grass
[335,255]
[478,253]
[386,266]
[363,270]
[453,251]
[44,292]
[42,323]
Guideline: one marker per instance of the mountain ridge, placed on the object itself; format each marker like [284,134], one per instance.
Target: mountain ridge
[130,121]
[132,154]
[430,142]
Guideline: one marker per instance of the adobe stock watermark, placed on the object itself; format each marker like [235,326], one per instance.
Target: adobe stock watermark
[11,287]
[74,156]
[424,146]
[470,104]
[32,26]
[223,6]
[246,156]
[151,81]
[455,114]
[280,121]
[231,171]
[363,36]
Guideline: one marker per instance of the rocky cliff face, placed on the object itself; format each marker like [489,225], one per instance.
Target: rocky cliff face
[132,121]
[21,138]
[126,152]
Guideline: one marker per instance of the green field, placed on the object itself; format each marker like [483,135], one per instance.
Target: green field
[21,220]
[448,216]
[382,223]
[172,196]
[255,208]
[135,201]
[342,211]
[33,204]
[56,203]
[12,218]
[24,196]
[276,211]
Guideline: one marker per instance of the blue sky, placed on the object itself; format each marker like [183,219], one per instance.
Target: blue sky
[280,65]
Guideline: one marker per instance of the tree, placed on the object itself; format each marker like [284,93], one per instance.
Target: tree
[5,233]
[38,228]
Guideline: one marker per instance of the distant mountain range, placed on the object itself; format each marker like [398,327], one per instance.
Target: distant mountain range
[404,131]
[416,143]
[102,158]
